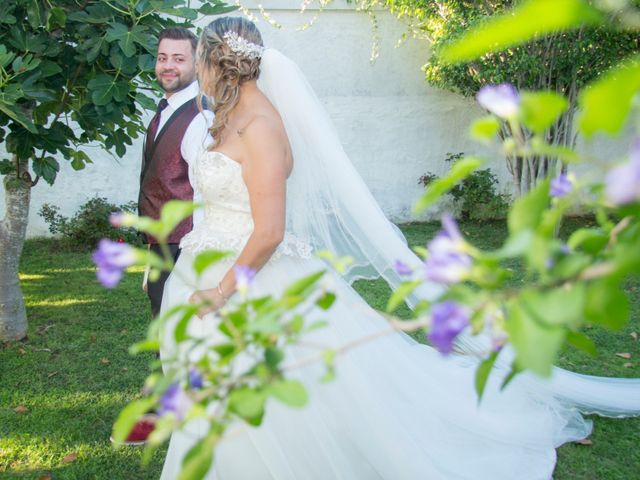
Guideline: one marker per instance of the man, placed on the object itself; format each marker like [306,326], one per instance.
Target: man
[176,135]
[175,138]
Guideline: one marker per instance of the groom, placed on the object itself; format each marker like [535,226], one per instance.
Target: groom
[176,135]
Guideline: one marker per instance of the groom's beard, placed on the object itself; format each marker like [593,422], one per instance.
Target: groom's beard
[175,83]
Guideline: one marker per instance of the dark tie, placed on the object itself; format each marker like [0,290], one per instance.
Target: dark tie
[152,131]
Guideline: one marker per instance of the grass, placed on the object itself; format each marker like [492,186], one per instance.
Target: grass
[74,374]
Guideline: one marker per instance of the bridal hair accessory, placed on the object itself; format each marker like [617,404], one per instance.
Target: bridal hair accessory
[243,47]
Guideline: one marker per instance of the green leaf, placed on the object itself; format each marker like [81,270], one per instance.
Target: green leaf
[56,18]
[198,459]
[536,345]
[47,168]
[14,112]
[582,342]
[180,332]
[590,240]
[120,33]
[207,258]
[606,103]
[299,287]
[173,212]
[216,8]
[539,110]
[571,265]
[79,159]
[5,57]
[531,19]
[326,301]
[273,357]
[145,346]
[34,13]
[516,244]
[248,404]
[289,392]
[606,304]
[128,418]
[482,373]
[145,102]
[102,88]
[399,294]
[485,128]
[565,154]
[6,166]
[527,211]
[556,307]
[460,170]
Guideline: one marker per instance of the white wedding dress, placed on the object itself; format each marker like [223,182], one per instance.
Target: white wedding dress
[397,410]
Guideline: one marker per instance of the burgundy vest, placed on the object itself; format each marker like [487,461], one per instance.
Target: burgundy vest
[165,174]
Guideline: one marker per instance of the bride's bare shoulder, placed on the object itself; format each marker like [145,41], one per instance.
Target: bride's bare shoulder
[264,136]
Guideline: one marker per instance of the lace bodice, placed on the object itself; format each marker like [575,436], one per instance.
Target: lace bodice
[227,222]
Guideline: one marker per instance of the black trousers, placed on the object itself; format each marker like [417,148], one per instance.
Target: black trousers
[156,289]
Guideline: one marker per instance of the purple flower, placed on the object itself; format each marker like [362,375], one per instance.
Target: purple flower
[448,261]
[174,400]
[622,183]
[195,378]
[122,219]
[112,258]
[116,219]
[402,268]
[502,100]
[448,319]
[560,186]
[244,277]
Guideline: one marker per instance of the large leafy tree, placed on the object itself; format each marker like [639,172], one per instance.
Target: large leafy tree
[71,72]
[562,61]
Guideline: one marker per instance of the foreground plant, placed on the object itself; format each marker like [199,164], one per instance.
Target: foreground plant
[567,284]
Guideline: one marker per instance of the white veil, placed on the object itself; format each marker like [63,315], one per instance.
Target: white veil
[338,212]
[330,207]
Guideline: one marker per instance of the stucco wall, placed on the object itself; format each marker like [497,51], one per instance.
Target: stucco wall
[393,125]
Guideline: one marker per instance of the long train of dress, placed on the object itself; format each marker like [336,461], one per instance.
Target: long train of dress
[396,410]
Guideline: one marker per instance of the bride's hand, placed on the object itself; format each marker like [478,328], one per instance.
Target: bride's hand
[211,299]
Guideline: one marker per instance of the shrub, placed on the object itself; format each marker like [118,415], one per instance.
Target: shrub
[476,195]
[89,224]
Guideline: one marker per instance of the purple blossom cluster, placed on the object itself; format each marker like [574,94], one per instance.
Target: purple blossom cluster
[622,183]
[112,258]
[448,319]
[175,401]
[447,262]
[561,186]
[502,100]
[244,278]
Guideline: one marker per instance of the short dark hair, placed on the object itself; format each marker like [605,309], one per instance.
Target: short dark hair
[179,33]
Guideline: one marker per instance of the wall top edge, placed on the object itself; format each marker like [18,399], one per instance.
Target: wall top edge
[294,5]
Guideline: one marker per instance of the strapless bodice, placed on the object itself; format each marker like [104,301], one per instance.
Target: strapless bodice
[227,222]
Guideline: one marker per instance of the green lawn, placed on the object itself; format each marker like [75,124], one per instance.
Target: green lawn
[74,374]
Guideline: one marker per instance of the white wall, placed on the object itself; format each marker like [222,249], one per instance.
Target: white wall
[393,125]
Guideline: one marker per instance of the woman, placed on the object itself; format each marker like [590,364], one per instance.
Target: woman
[277,186]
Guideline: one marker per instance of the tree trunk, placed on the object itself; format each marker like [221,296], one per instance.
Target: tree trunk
[13,230]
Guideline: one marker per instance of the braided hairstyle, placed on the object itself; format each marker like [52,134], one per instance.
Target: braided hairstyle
[221,71]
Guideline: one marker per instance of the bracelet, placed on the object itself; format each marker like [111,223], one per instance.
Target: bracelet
[221,292]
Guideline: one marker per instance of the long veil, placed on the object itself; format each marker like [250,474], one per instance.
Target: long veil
[330,207]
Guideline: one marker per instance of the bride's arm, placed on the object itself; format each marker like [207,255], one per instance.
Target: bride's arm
[266,164]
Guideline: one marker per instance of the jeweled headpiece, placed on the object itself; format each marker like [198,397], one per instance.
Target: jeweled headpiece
[242,47]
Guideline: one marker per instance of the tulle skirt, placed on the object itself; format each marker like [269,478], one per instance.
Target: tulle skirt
[397,409]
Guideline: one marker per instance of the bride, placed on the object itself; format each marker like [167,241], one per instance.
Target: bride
[277,186]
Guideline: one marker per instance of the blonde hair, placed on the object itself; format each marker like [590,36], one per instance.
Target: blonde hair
[221,71]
